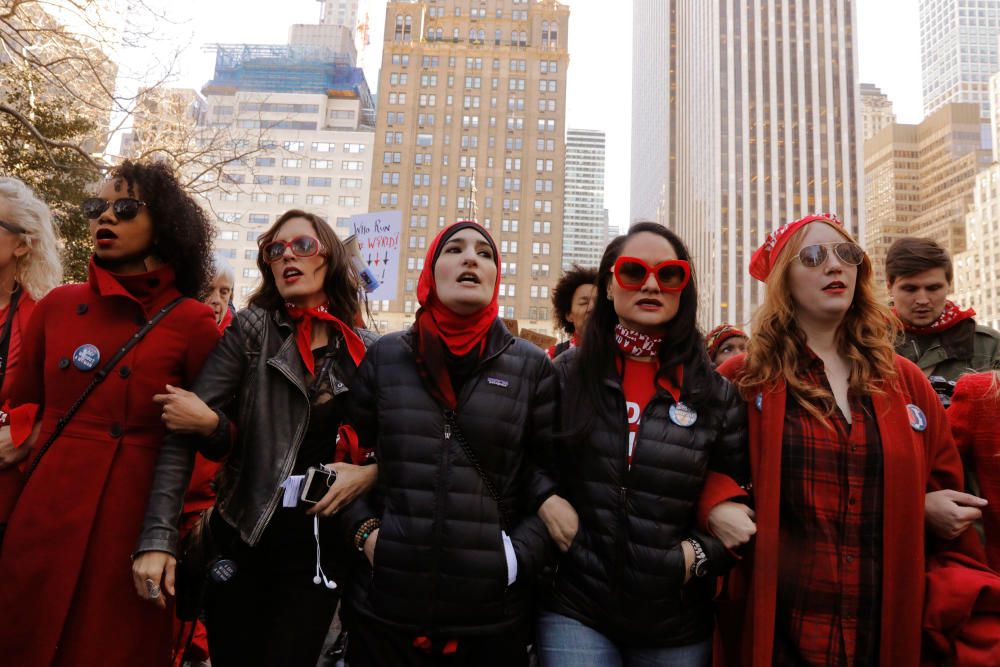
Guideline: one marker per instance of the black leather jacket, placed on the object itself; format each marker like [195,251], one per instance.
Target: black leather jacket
[255,377]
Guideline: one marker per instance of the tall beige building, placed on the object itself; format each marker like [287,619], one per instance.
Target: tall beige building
[472,107]
[920,180]
[977,270]
[767,132]
[876,110]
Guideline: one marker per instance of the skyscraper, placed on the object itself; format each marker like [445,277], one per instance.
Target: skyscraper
[920,180]
[654,87]
[472,104]
[340,12]
[958,51]
[767,132]
[585,222]
[876,110]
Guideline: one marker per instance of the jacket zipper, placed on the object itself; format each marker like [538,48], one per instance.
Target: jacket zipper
[286,469]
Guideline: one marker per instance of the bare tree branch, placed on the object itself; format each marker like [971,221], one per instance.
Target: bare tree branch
[47,143]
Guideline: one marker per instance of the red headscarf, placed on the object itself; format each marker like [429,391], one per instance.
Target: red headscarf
[762,262]
[438,327]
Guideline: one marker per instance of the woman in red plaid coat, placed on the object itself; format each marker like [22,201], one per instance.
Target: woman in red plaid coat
[845,440]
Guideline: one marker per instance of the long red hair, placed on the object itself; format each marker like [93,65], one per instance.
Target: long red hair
[777,348]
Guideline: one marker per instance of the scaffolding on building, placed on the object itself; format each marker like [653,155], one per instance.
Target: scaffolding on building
[277,68]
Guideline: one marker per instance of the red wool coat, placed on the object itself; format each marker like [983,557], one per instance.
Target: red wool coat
[915,462]
[10,478]
[973,414]
[66,593]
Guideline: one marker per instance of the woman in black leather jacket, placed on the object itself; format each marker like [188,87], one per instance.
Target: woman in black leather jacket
[270,398]
[646,419]
[457,411]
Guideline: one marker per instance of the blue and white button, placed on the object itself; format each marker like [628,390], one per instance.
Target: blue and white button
[86,357]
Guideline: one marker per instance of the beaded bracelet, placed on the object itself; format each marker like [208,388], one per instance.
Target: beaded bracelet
[364,532]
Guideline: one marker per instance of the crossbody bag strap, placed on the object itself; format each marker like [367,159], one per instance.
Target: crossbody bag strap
[5,335]
[98,379]
[459,437]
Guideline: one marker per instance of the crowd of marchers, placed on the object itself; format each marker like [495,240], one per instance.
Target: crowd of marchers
[184,483]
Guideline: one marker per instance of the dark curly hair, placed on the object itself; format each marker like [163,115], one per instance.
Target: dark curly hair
[340,284]
[562,295]
[182,232]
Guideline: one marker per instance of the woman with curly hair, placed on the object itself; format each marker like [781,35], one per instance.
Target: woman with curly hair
[572,300]
[29,268]
[65,594]
[845,440]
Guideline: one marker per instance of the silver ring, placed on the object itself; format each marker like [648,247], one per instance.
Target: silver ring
[153,589]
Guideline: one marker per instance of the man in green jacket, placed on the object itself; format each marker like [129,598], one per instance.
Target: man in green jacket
[946,343]
[938,336]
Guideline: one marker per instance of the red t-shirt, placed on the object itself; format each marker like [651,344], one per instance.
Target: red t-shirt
[639,385]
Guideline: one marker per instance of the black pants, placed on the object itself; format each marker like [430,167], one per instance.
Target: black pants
[271,613]
[374,644]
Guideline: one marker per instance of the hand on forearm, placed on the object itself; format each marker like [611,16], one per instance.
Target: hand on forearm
[561,520]
[185,412]
[732,523]
[949,513]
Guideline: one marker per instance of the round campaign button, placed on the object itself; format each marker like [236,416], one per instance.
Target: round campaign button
[759,402]
[86,357]
[683,415]
[918,420]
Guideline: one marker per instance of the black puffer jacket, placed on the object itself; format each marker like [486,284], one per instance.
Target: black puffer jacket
[624,572]
[439,558]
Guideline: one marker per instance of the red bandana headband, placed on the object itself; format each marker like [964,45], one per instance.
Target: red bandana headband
[762,262]
[949,317]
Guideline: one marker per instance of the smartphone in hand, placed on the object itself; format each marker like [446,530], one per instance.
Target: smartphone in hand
[317,482]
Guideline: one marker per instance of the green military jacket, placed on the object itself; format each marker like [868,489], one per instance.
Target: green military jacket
[965,348]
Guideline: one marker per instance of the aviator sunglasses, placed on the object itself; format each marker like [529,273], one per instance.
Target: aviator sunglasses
[302,246]
[125,208]
[672,275]
[816,255]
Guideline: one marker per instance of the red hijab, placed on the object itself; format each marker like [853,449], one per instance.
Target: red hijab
[438,327]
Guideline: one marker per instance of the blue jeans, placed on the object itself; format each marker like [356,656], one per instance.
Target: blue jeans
[565,642]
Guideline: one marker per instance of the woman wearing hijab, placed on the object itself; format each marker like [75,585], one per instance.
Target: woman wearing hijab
[457,410]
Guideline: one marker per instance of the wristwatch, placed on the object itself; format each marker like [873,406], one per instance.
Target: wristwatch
[699,566]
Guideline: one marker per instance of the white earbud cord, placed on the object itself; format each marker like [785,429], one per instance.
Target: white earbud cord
[320,577]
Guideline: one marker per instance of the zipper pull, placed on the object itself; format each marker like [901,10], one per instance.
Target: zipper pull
[447,431]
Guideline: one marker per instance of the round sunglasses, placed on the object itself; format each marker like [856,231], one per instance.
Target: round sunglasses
[125,208]
[672,275]
[302,246]
[816,255]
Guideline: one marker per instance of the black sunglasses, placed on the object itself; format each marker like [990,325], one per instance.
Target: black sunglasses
[816,255]
[13,227]
[125,208]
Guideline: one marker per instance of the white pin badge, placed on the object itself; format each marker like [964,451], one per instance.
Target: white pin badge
[683,415]
[918,420]
[759,402]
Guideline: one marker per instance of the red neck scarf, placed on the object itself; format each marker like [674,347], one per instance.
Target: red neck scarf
[304,317]
[437,327]
[227,319]
[949,317]
[635,344]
